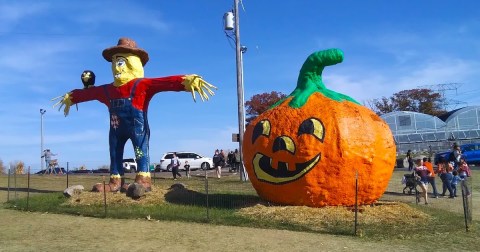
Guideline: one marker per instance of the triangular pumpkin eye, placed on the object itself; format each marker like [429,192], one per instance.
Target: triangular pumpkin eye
[284,143]
[312,126]
[262,128]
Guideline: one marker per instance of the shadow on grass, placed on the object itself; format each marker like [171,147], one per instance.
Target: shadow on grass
[396,193]
[184,196]
[24,189]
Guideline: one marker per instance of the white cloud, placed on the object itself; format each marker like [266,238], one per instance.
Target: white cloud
[120,14]
[14,11]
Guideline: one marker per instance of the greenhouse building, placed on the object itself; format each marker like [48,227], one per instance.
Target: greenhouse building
[425,133]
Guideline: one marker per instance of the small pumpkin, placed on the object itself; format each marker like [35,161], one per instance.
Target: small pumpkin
[309,147]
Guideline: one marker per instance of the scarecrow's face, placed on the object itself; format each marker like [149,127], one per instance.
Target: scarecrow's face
[126,67]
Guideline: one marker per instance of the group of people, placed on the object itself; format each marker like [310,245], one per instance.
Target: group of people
[453,171]
[220,159]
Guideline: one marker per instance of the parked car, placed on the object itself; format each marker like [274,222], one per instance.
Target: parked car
[471,153]
[195,160]
[130,165]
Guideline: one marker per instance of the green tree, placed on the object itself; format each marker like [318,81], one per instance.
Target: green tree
[417,100]
[260,103]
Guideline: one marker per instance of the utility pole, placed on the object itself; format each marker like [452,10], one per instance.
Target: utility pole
[232,24]
[241,111]
[42,111]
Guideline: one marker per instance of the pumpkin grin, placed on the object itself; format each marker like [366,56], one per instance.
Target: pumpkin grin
[262,166]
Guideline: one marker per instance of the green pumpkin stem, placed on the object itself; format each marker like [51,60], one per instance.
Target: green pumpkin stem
[310,78]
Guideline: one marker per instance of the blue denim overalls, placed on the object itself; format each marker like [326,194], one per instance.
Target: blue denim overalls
[127,122]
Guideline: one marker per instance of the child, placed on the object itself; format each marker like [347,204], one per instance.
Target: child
[424,175]
[187,169]
[464,172]
[463,169]
[447,180]
[455,181]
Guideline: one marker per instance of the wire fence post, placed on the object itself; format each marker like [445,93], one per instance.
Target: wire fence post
[154,175]
[15,185]
[356,201]
[67,173]
[465,205]
[28,187]
[206,192]
[104,198]
[8,183]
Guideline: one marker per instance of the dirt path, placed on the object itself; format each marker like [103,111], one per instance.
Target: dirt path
[22,231]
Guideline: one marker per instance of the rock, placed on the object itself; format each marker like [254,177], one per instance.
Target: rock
[72,190]
[177,186]
[135,191]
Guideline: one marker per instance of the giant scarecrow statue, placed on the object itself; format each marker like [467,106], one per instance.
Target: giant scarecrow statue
[127,99]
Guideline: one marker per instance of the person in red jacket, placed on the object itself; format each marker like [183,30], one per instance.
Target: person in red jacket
[127,99]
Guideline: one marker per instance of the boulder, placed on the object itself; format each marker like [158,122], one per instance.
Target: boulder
[73,190]
[136,191]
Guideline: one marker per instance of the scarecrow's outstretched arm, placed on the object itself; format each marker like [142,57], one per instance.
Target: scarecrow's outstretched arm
[195,83]
[66,100]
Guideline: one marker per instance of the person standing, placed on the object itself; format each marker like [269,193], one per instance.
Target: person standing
[431,180]
[237,160]
[231,161]
[187,169]
[175,163]
[455,180]
[410,160]
[218,161]
[424,175]
[457,153]
[447,178]
[47,154]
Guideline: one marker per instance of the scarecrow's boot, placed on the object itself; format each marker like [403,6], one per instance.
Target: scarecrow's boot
[142,184]
[113,185]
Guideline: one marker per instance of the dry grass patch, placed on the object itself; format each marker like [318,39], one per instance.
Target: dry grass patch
[154,197]
[390,214]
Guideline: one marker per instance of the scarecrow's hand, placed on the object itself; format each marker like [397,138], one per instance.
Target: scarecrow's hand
[194,83]
[64,100]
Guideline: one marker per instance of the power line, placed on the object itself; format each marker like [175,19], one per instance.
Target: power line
[447,104]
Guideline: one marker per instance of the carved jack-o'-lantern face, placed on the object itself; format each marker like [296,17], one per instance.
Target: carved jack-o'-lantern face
[285,171]
[310,147]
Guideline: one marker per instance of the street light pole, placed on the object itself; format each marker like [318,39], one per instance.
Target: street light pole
[42,111]
[240,97]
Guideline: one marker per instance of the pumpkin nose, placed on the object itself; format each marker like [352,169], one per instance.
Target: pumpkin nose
[284,143]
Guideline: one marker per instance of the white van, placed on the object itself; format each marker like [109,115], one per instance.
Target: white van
[195,160]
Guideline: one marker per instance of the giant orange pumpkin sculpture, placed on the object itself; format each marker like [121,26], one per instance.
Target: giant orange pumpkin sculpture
[309,147]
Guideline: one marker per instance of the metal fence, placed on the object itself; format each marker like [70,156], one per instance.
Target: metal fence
[209,193]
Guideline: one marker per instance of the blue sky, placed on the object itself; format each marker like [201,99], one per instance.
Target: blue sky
[389,46]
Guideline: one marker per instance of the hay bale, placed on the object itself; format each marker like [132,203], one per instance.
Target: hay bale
[320,218]
[86,198]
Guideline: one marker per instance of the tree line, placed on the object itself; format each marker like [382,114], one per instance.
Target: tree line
[422,100]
